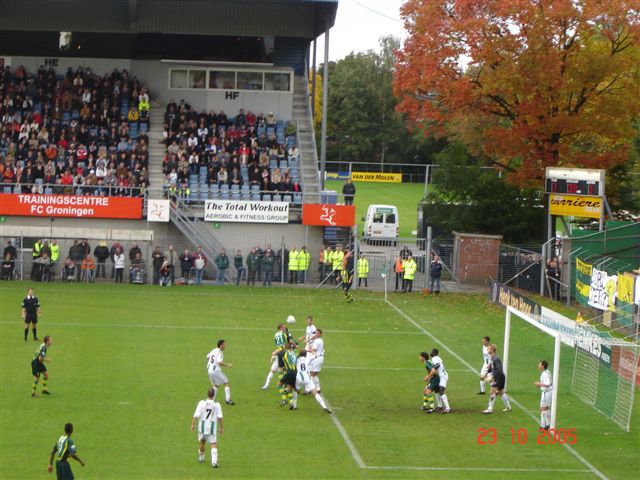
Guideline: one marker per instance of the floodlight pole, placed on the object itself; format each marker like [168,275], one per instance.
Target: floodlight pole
[325,100]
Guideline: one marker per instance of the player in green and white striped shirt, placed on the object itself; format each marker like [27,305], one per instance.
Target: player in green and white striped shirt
[208,414]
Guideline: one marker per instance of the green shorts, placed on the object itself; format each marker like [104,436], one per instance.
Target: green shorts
[63,471]
[37,368]
[434,385]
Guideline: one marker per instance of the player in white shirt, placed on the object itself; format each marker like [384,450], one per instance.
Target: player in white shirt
[303,381]
[545,385]
[486,361]
[208,414]
[309,333]
[214,367]
[441,396]
[316,347]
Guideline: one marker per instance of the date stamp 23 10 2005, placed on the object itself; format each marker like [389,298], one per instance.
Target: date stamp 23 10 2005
[560,436]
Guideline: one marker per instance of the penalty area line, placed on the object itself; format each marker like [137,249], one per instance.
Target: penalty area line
[570,449]
[482,469]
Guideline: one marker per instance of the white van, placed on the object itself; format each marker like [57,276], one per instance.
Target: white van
[382,222]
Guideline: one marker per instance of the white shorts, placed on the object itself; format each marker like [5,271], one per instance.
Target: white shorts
[315,365]
[443,381]
[545,399]
[218,378]
[484,370]
[304,381]
[207,438]
[274,365]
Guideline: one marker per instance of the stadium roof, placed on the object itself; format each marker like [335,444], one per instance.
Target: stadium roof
[279,18]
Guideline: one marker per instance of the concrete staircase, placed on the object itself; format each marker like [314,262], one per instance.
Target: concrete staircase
[306,141]
[157,151]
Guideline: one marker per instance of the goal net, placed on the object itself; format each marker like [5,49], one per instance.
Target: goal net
[606,369]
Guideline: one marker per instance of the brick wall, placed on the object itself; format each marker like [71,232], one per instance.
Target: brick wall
[476,257]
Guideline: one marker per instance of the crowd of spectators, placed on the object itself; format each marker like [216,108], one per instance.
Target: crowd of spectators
[77,133]
[211,155]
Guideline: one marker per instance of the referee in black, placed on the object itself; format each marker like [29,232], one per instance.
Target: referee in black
[30,312]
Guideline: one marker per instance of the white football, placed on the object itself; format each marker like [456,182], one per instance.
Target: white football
[72,449]
[291,319]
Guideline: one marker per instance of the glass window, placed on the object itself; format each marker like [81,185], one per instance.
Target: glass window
[277,81]
[250,80]
[391,218]
[378,217]
[222,79]
[178,79]
[197,78]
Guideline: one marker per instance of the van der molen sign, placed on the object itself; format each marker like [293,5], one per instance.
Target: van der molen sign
[241,211]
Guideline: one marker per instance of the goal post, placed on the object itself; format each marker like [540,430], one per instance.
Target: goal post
[556,355]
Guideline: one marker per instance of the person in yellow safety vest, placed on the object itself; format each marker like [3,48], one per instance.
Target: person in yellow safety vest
[304,260]
[293,265]
[336,261]
[363,270]
[324,261]
[37,249]
[55,252]
[410,266]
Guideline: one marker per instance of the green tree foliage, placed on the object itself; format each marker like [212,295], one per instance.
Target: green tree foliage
[363,124]
[469,198]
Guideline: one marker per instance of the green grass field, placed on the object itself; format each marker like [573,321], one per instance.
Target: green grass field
[403,195]
[128,368]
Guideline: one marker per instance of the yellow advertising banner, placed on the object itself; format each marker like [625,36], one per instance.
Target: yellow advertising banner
[376,177]
[626,284]
[583,267]
[583,289]
[575,206]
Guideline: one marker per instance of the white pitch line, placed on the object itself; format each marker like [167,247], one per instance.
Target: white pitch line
[483,469]
[205,327]
[579,457]
[393,369]
[343,433]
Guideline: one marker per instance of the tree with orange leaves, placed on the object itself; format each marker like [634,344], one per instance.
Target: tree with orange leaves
[529,83]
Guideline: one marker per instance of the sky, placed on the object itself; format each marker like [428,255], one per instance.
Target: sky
[359,24]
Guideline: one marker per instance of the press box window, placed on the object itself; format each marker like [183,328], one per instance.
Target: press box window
[279,82]
[197,78]
[222,79]
[249,81]
[178,79]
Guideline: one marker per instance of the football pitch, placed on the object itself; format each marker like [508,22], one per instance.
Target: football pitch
[128,369]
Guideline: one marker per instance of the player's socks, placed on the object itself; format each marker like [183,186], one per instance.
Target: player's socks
[44,385]
[425,401]
[492,400]
[227,393]
[289,395]
[439,400]
[431,400]
[214,456]
[200,456]
[546,415]
[505,401]
[35,333]
[282,392]
[543,419]
[35,385]
[316,382]
[294,401]
[482,386]
[445,400]
[268,380]
[320,400]
[26,333]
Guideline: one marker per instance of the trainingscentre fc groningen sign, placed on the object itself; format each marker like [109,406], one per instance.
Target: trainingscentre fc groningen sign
[241,211]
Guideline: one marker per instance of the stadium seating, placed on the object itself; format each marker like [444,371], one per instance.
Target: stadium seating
[63,130]
[213,131]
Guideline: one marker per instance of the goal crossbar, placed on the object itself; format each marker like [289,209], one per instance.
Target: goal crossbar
[556,354]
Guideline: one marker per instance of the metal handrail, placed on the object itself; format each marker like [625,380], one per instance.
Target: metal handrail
[58,189]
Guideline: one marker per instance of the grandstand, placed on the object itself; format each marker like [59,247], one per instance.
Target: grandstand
[99,103]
